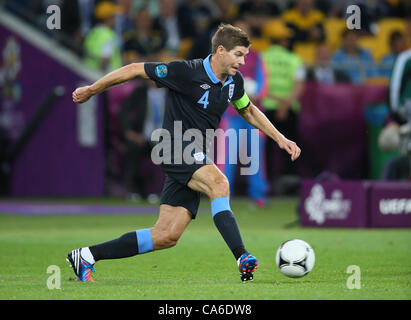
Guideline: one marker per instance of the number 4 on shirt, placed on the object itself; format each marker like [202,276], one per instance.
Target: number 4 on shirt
[204,99]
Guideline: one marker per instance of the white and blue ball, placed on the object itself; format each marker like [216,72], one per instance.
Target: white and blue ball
[295,258]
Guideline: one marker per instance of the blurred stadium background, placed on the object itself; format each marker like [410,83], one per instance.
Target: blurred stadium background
[53,148]
[72,175]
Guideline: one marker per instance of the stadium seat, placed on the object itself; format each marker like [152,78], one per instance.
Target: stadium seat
[306,51]
[388,25]
[260,44]
[333,29]
[375,45]
[268,26]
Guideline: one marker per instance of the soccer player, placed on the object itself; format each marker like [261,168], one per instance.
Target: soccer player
[199,92]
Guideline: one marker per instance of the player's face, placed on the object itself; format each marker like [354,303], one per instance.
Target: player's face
[234,59]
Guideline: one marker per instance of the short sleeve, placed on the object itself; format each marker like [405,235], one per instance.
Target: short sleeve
[240,99]
[173,75]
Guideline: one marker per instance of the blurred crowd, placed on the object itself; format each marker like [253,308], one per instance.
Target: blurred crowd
[292,42]
[111,33]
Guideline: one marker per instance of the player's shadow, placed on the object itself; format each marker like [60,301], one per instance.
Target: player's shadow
[291,282]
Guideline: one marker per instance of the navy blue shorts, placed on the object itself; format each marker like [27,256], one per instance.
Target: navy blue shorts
[178,195]
[176,192]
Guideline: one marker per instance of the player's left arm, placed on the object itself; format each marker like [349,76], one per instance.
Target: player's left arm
[258,120]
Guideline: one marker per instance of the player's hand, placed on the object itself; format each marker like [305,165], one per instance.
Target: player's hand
[82,94]
[291,147]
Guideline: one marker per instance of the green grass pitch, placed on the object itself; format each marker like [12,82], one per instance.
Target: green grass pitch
[201,266]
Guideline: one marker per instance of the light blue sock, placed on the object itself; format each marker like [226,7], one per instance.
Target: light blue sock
[144,241]
[219,205]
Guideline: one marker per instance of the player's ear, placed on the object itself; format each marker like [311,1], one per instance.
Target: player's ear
[221,50]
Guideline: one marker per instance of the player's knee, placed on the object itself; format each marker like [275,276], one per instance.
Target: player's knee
[167,239]
[170,240]
[220,188]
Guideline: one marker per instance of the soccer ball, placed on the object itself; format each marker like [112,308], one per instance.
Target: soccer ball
[295,258]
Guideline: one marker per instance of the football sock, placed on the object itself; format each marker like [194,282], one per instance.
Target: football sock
[227,225]
[128,245]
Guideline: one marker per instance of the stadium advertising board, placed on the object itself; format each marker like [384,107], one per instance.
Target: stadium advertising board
[333,204]
[390,204]
[355,204]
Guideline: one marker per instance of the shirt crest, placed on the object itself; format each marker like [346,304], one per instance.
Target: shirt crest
[230,91]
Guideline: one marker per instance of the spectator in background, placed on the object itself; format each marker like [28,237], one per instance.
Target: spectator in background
[144,43]
[167,22]
[206,26]
[151,5]
[227,11]
[131,123]
[408,32]
[371,12]
[101,44]
[86,10]
[400,86]
[354,60]
[286,76]
[124,20]
[305,21]
[255,81]
[399,8]
[327,7]
[37,9]
[399,167]
[201,47]
[72,24]
[397,45]
[256,13]
[322,71]
[141,113]
[188,14]
[334,9]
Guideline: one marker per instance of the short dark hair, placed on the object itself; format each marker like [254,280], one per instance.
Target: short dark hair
[396,34]
[229,37]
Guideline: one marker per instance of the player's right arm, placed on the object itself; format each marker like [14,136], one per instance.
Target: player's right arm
[113,78]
